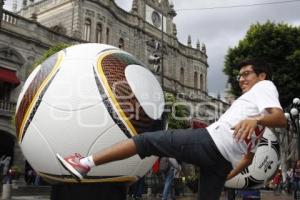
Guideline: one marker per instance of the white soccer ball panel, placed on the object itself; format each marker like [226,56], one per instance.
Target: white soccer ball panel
[87,51]
[264,163]
[39,152]
[144,166]
[72,131]
[146,89]
[232,183]
[73,87]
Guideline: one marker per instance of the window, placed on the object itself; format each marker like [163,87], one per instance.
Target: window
[87,30]
[181,75]
[201,82]
[196,85]
[5,90]
[107,35]
[99,33]
[121,43]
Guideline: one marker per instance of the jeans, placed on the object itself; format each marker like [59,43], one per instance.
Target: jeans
[194,146]
[168,188]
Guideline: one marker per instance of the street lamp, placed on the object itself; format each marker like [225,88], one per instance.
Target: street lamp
[292,115]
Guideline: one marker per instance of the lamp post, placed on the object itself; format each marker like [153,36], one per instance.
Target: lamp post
[292,115]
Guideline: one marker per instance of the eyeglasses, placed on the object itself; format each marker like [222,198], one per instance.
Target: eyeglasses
[245,74]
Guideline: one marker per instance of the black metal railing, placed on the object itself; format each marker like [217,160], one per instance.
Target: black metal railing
[9,17]
[6,106]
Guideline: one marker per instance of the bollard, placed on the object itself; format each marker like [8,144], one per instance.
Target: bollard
[6,191]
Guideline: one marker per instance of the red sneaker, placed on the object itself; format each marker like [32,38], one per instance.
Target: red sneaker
[73,165]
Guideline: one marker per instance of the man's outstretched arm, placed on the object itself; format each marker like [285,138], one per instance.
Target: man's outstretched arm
[245,128]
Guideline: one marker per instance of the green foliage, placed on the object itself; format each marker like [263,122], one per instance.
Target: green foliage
[279,44]
[56,48]
[177,113]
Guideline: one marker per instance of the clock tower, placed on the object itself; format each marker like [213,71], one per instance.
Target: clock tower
[157,13]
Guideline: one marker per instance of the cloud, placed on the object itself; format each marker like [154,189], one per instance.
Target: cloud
[220,29]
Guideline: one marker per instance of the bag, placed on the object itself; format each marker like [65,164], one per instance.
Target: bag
[155,167]
[164,164]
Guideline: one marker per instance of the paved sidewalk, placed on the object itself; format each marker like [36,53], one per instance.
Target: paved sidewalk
[265,195]
[269,195]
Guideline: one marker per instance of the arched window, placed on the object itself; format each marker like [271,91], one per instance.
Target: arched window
[99,33]
[121,43]
[87,30]
[196,85]
[107,35]
[181,75]
[201,82]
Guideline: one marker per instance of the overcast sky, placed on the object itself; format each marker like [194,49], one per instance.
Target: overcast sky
[221,28]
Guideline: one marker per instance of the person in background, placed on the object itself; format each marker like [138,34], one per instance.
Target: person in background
[296,179]
[169,175]
[277,180]
[6,170]
[136,190]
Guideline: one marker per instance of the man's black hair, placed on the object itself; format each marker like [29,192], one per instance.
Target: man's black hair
[258,66]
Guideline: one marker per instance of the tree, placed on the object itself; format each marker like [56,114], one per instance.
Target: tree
[54,49]
[177,113]
[279,45]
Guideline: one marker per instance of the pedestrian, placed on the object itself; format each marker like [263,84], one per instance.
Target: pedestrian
[277,182]
[222,150]
[6,170]
[136,190]
[288,182]
[173,170]
[296,180]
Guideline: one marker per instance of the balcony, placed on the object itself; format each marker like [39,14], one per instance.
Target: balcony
[7,109]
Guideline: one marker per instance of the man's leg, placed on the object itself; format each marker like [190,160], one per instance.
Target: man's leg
[119,151]
[211,185]
[194,146]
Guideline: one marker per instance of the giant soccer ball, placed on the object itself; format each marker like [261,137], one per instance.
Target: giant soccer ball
[83,99]
[264,165]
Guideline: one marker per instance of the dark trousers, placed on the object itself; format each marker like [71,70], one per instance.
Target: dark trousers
[194,146]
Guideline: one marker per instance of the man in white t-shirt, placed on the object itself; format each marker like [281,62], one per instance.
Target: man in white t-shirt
[222,150]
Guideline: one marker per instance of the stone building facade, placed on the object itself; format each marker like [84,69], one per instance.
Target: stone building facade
[146,31]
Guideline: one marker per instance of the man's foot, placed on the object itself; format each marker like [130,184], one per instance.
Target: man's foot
[73,165]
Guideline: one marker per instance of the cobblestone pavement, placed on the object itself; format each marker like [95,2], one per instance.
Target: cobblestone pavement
[265,195]
[269,195]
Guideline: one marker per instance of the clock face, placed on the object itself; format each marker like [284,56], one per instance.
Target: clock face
[156,19]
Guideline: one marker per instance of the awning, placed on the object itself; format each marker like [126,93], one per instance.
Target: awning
[9,76]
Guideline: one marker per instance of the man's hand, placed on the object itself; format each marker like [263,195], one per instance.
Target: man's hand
[244,129]
[244,162]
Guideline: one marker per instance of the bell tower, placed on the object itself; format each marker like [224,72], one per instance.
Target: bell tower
[157,13]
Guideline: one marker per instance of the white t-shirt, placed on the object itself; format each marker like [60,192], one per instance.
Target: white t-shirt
[252,103]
